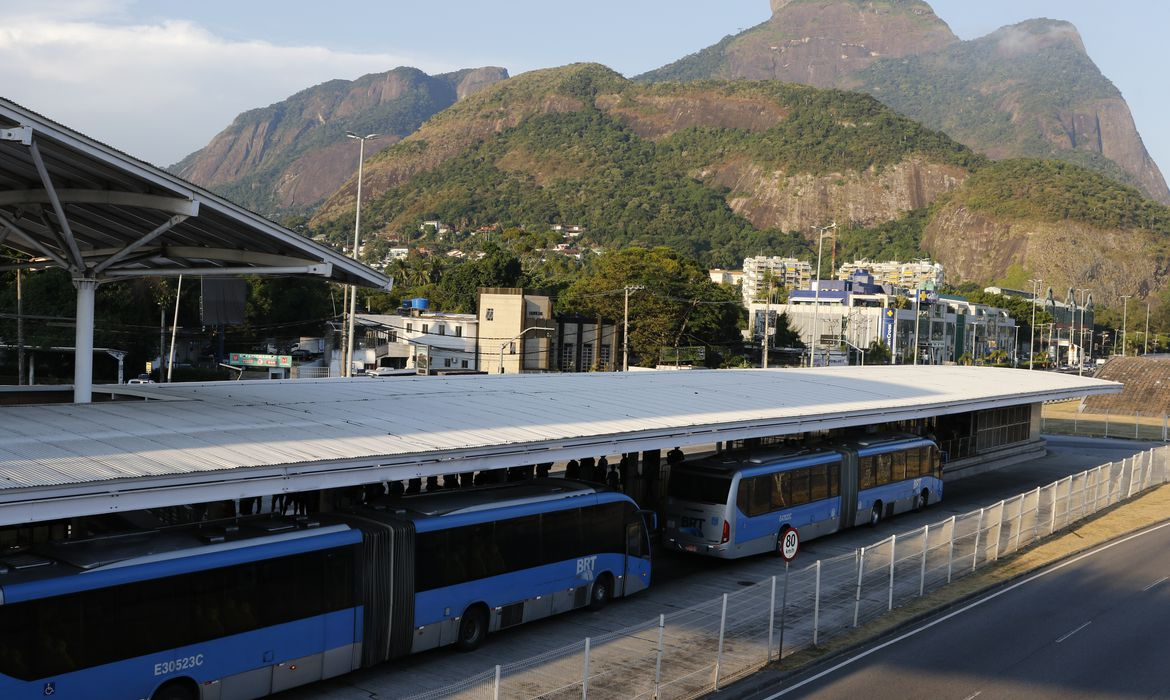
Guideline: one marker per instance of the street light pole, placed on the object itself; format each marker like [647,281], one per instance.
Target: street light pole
[1146,337]
[767,318]
[516,337]
[1084,293]
[822,230]
[1124,311]
[1032,343]
[357,227]
[625,328]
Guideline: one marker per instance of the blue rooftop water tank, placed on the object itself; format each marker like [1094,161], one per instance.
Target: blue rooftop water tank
[419,303]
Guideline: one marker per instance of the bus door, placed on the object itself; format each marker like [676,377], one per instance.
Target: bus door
[637,559]
[848,488]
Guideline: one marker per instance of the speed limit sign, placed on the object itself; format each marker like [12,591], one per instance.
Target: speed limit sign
[789,544]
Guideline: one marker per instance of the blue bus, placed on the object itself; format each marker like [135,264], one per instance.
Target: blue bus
[740,503]
[243,608]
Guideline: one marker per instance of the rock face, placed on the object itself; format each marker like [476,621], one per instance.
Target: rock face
[774,199]
[289,156]
[1111,262]
[1025,90]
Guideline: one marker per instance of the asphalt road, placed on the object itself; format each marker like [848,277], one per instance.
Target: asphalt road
[681,581]
[1091,627]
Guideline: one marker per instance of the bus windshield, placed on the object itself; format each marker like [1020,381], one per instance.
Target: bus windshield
[699,487]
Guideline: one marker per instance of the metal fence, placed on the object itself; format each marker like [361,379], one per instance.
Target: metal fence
[695,651]
[1066,419]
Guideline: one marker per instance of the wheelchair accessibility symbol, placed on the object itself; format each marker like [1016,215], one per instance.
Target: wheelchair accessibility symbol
[50,689]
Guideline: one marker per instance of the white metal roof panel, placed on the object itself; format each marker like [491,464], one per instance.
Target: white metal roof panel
[267,436]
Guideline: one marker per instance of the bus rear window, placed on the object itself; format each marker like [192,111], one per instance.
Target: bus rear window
[699,488]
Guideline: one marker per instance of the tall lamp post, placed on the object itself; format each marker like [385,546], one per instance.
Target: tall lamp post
[357,227]
[516,337]
[822,231]
[1146,337]
[1084,294]
[1032,343]
[1124,311]
[625,328]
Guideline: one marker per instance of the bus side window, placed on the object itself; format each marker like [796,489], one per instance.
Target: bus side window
[899,465]
[799,480]
[865,473]
[913,462]
[883,462]
[835,479]
[779,490]
[819,482]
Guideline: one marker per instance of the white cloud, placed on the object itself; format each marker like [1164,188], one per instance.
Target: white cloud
[157,91]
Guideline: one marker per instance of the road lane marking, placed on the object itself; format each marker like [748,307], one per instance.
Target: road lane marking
[938,621]
[973,696]
[1074,631]
[1155,583]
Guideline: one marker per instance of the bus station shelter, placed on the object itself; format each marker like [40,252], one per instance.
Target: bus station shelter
[173,444]
[71,202]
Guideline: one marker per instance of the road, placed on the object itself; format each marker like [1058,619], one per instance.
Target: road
[1091,627]
[683,581]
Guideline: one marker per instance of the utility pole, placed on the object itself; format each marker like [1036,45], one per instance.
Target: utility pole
[625,327]
[767,318]
[1124,311]
[821,232]
[19,332]
[1032,343]
[1146,337]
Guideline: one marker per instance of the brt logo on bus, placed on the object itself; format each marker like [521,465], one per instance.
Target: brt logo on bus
[691,526]
[586,566]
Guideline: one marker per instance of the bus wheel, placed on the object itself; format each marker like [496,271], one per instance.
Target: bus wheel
[875,515]
[779,550]
[602,592]
[176,690]
[922,500]
[473,628]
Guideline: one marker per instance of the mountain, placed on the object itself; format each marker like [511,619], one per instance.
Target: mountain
[719,170]
[291,155]
[1027,90]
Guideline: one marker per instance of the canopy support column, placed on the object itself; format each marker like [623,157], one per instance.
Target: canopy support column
[83,341]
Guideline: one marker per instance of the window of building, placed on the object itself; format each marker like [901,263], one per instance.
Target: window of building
[464,364]
[604,356]
[458,331]
[568,356]
[393,336]
[441,330]
[426,327]
[410,328]
[446,361]
[587,356]
[489,314]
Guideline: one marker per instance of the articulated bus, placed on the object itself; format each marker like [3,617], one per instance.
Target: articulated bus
[252,606]
[740,503]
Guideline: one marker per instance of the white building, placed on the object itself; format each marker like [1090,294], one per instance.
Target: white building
[905,275]
[730,277]
[786,272]
[416,339]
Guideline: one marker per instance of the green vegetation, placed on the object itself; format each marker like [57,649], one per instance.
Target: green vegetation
[1025,189]
[586,167]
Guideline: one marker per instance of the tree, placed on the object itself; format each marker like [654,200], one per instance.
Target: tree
[677,303]
[457,291]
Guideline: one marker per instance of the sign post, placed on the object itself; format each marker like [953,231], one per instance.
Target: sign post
[789,546]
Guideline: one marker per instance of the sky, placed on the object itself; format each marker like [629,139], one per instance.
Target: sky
[159,78]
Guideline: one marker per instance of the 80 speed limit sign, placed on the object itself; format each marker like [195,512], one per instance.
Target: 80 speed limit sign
[789,544]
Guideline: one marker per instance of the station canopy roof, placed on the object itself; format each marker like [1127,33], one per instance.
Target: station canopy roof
[203,442]
[69,201]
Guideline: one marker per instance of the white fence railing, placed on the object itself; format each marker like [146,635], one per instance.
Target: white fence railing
[695,651]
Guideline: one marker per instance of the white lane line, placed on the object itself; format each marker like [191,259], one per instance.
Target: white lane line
[975,695]
[1074,631]
[1155,583]
[960,611]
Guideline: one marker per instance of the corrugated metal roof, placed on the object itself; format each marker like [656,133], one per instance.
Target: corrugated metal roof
[267,436]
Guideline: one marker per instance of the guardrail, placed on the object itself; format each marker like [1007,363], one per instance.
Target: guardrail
[1066,418]
[695,651]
